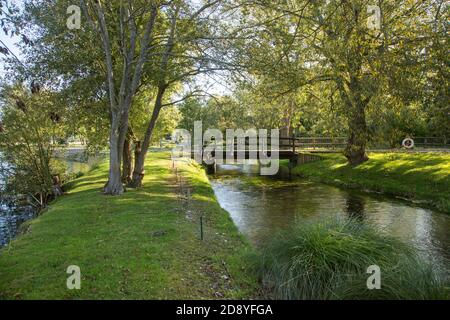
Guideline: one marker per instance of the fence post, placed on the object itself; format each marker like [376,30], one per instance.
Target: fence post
[201,228]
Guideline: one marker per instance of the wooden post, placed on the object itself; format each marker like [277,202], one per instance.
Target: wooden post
[293,145]
[290,169]
[201,228]
[211,168]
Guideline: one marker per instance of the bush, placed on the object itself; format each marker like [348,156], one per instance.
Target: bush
[31,126]
[329,260]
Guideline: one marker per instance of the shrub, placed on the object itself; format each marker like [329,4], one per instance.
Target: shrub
[32,125]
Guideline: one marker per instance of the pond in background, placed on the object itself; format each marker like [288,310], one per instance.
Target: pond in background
[259,206]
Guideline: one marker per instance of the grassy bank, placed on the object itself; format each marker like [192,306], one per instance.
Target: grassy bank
[420,177]
[142,245]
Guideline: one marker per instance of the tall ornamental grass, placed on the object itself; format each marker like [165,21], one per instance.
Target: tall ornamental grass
[329,260]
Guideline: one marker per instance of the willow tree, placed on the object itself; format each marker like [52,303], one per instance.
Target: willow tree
[100,59]
[121,50]
[126,30]
[187,48]
[152,45]
[351,45]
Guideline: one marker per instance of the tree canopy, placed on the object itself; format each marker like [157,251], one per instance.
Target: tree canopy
[128,72]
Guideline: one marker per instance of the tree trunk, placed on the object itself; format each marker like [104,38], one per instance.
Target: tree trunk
[114,185]
[57,186]
[138,172]
[127,161]
[355,151]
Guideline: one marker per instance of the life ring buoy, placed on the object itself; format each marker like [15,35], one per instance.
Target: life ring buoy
[408,143]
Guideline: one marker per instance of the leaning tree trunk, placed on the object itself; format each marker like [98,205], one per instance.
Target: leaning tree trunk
[141,152]
[355,151]
[127,161]
[138,172]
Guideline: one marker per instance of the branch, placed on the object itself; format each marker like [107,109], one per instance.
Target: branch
[144,48]
[108,55]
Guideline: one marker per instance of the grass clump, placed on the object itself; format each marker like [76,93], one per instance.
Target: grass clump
[329,260]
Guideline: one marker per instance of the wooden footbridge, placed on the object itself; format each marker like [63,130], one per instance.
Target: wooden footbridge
[302,150]
[287,149]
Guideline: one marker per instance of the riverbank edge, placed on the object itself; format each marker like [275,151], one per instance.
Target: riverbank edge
[224,270]
[333,170]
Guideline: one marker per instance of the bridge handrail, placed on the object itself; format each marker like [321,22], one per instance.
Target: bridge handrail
[331,142]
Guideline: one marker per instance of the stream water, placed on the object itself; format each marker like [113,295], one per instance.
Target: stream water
[259,206]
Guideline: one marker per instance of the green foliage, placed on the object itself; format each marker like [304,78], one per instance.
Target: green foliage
[222,113]
[191,110]
[168,119]
[8,24]
[32,125]
[167,122]
[343,78]
[329,260]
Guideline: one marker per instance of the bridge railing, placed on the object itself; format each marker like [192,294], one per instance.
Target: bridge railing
[296,144]
[431,142]
[339,143]
[289,144]
[285,143]
[326,143]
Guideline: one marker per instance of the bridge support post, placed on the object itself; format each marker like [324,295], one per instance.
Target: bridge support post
[290,166]
[290,170]
[211,168]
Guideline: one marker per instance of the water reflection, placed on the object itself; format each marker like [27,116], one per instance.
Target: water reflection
[261,205]
[10,220]
[354,207]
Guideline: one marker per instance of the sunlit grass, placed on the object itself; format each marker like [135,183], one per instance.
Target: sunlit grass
[417,176]
[111,240]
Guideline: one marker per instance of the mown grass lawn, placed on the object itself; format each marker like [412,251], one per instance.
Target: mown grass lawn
[141,245]
[421,177]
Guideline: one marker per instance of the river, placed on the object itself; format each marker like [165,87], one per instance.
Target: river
[259,206]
